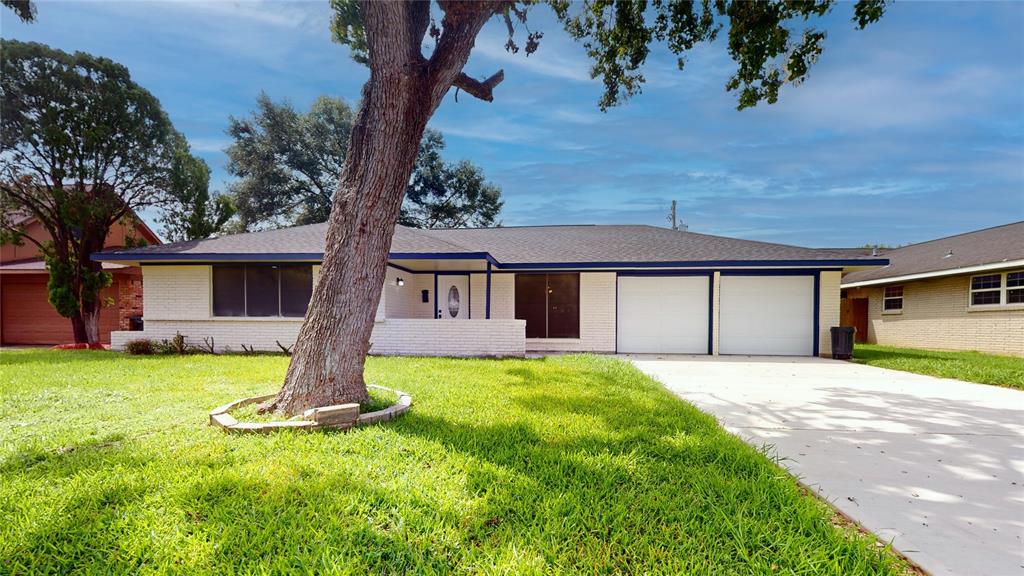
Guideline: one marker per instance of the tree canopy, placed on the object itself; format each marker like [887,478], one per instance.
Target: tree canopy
[289,163]
[189,210]
[83,147]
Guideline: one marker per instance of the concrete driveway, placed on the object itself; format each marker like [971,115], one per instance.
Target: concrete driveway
[934,465]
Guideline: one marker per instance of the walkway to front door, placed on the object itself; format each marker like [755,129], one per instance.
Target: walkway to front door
[935,465]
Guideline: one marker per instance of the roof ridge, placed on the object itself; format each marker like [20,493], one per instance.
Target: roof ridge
[890,250]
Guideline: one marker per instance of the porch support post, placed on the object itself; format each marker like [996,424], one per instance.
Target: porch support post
[487,308]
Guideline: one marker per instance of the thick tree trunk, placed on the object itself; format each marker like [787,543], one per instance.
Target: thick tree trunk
[78,329]
[402,93]
[91,323]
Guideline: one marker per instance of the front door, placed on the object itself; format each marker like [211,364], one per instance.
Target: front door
[860,319]
[452,298]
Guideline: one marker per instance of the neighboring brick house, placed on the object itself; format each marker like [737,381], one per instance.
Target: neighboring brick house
[26,315]
[508,291]
[964,292]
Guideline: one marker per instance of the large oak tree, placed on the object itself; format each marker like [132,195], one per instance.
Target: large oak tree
[82,147]
[407,85]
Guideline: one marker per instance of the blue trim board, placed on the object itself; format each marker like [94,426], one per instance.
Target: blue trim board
[696,264]
[616,312]
[312,257]
[318,256]
[711,314]
[487,312]
[404,269]
[817,314]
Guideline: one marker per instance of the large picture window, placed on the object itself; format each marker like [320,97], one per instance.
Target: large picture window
[1000,289]
[260,290]
[550,304]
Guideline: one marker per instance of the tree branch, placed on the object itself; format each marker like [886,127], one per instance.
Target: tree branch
[482,90]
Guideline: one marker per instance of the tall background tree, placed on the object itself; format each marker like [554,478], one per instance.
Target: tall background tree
[289,163]
[82,147]
[407,85]
[189,210]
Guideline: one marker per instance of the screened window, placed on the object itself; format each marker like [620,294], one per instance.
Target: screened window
[550,304]
[986,290]
[261,290]
[1002,289]
[1015,288]
[893,299]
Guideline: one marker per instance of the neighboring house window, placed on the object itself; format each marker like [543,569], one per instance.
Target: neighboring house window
[550,304]
[262,290]
[988,289]
[893,299]
[1015,288]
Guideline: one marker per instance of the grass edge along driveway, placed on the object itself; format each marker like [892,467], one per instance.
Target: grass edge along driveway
[1006,371]
[576,464]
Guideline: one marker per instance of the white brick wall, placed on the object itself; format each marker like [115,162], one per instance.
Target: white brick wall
[406,301]
[410,337]
[828,310]
[176,293]
[432,337]
[597,317]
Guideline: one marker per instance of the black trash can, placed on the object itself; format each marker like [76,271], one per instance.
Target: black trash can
[842,342]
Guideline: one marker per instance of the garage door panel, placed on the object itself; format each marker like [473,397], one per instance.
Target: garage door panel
[663,314]
[769,315]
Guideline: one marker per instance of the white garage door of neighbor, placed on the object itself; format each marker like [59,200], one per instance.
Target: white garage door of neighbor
[769,315]
[663,314]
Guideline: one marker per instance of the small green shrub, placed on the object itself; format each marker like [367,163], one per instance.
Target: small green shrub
[140,347]
[177,345]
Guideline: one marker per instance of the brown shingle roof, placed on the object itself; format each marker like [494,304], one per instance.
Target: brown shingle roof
[989,246]
[509,245]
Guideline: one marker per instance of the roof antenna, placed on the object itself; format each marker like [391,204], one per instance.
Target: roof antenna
[672,218]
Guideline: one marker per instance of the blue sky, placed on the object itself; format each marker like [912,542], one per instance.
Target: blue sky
[907,131]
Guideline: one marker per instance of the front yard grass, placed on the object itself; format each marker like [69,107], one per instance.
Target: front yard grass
[1005,371]
[575,465]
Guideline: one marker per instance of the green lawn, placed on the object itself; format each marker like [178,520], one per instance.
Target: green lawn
[970,366]
[575,465]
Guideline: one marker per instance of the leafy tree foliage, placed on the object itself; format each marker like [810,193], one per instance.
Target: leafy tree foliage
[190,213]
[83,147]
[25,9]
[444,195]
[289,164]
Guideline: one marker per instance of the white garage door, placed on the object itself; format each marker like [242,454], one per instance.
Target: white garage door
[770,315]
[663,314]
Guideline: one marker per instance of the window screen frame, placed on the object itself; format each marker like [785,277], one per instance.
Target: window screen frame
[547,305]
[886,298]
[279,266]
[1004,290]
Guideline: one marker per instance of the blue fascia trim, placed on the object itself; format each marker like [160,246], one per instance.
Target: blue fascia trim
[789,272]
[440,256]
[817,306]
[698,264]
[211,257]
[708,273]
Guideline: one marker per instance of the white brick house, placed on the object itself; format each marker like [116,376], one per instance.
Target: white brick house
[509,291]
